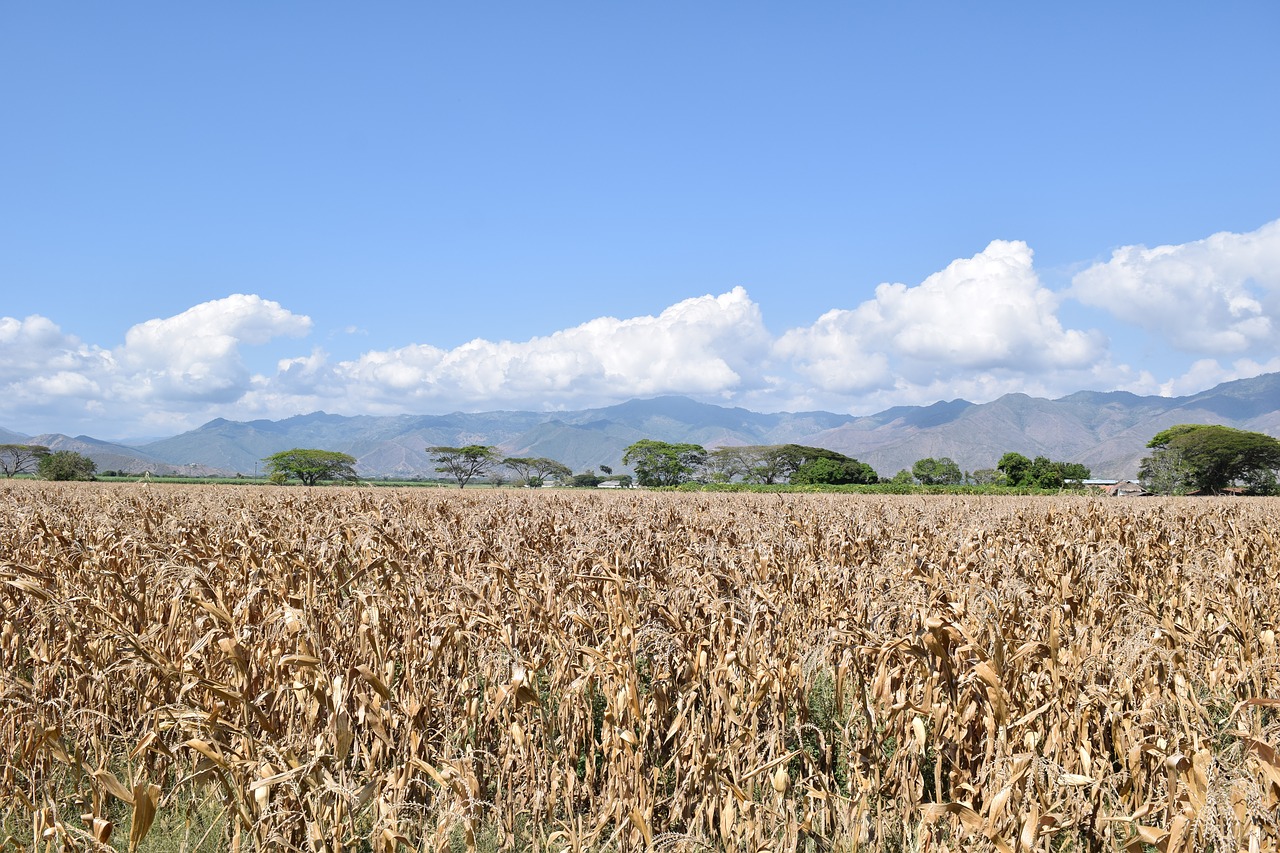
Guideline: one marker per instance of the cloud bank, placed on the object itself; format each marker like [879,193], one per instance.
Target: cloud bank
[987,314]
[983,326]
[703,346]
[1219,296]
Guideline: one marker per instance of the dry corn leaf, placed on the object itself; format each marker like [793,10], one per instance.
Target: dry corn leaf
[146,799]
[114,786]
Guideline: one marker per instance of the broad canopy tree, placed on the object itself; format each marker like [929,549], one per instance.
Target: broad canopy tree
[66,465]
[819,466]
[529,469]
[779,463]
[311,466]
[937,472]
[1210,458]
[1040,472]
[783,462]
[1014,466]
[464,463]
[725,464]
[837,470]
[21,458]
[1165,472]
[660,463]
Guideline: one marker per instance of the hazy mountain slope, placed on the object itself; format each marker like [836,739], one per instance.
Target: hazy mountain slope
[598,437]
[580,446]
[397,442]
[689,420]
[396,445]
[1107,431]
[117,457]
[975,436]
[1242,400]
[1251,404]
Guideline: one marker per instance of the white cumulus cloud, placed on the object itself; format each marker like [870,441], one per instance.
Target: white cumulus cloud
[707,345]
[981,314]
[194,356]
[1216,296]
[166,370]
[1208,372]
[35,346]
[981,327]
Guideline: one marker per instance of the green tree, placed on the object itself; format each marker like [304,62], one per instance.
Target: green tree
[1044,473]
[1261,481]
[784,461]
[1041,472]
[660,463]
[937,472]
[781,462]
[1074,471]
[828,468]
[66,465]
[1216,456]
[764,463]
[777,463]
[1166,472]
[464,463]
[588,479]
[757,463]
[310,466]
[726,464]
[825,470]
[1015,467]
[531,468]
[21,458]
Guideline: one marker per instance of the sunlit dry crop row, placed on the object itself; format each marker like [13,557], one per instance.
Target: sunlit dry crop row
[334,669]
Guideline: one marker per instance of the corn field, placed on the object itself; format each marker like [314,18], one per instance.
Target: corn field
[347,669]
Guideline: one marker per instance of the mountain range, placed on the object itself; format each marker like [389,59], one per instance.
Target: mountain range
[1107,431]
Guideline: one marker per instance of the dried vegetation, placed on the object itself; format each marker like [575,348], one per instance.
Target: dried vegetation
[343,669]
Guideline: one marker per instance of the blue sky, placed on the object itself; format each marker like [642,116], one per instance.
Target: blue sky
[254,210]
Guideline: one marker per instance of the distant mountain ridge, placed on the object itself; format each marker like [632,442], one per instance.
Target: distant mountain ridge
[118,457]
[1107,431]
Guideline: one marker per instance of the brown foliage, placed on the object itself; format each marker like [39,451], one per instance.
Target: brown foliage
[636,670]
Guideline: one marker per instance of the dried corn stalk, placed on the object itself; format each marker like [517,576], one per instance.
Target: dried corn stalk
[411,669]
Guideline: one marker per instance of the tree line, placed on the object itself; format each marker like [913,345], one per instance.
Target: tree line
[1185,459]
[656,464]
[464,465]
[660,463]
[44,463]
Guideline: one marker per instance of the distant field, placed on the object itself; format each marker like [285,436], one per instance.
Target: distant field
[348,668]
